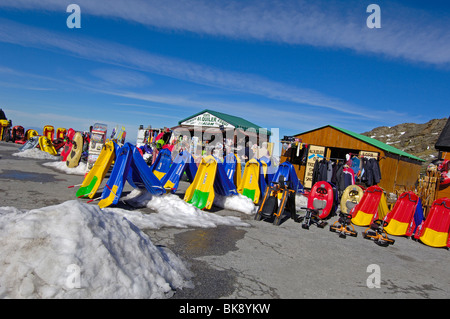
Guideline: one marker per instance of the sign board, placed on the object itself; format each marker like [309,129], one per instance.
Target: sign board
[368,154]
[315,153]
[207,119]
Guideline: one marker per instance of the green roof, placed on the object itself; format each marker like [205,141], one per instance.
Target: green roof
[372,141]
[237,122]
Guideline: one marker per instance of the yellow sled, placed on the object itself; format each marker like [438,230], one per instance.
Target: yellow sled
[201,192]
[75,154]
[96,174]
[372,206]
[350,198]
[249,185]
[46,145]
[30,133]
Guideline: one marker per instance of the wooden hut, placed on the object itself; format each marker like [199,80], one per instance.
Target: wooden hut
[399,170]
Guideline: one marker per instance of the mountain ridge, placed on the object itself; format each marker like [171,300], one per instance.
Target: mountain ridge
[416,139]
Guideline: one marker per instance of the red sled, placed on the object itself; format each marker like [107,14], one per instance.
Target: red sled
[434,231]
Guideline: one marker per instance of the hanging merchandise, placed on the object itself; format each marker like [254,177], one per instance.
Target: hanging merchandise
[372,173]
[338,176]
[349,176]
[356,166]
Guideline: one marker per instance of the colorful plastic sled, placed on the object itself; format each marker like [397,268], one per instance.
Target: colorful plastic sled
[116,181]
[30,133]
[201,191]
[141,176]
[49,132]
[46,145]
[434,231]
[68,146]
[162,163]
[95,176]
[31,143]
[249,185]
[211,178]
[183,163]
[223,182]
[265,173]
[405,216]
[372,206]
[351,196]
[268,170]
[18,134]
[73,159]
[323,197]
[321,204]
[232,167]
[61,133]
[58,143]
[288,171]
[277,198]
[5,127]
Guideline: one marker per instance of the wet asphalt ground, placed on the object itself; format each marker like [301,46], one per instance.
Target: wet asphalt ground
[262,261]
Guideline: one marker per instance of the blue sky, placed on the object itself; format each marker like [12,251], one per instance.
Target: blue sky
[292,65]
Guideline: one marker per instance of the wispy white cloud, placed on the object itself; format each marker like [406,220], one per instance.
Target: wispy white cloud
[406,33]
[288,117]
[122,78]
[123,56]
[24,87]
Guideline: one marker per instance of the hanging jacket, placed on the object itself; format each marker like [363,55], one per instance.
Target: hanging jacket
[372,173]
[349,176]
[329,171]
[338,177]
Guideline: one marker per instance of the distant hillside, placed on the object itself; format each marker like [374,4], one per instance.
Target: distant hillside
[415,139]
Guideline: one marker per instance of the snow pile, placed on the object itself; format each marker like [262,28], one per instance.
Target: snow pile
[238,203]
[62,166]
[171,211]
[36,153]
[76,250]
